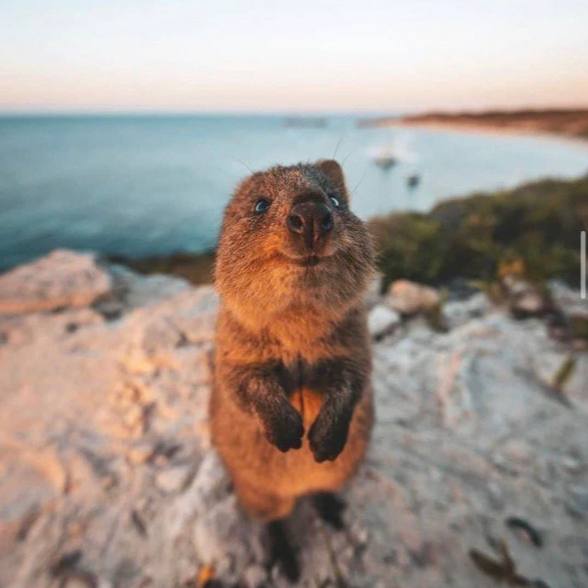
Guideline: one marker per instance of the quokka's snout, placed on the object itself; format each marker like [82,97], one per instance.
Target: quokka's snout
[311,224]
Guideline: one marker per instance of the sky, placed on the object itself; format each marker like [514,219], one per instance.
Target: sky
[294,56]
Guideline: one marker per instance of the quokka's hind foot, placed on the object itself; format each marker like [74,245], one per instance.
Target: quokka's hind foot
[282,552]
[330,508]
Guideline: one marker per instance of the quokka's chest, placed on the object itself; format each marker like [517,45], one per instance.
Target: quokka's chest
[306,388]
[308,403]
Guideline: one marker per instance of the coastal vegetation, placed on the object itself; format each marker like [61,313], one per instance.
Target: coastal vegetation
[532,231]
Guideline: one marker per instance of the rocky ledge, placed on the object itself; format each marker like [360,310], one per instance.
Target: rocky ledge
[477,474]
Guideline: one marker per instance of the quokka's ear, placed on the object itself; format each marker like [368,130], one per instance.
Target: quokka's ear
[333,171]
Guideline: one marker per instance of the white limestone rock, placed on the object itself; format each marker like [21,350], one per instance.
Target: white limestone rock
[62,279]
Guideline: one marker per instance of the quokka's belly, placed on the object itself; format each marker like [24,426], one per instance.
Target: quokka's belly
[304,474]
[253,461]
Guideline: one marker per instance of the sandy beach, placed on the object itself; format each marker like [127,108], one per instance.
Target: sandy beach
[570,124]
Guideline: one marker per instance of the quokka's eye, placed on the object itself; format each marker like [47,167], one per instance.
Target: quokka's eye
[335,201]
[262,205]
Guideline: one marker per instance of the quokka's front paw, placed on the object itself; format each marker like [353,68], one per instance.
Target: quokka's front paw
[284,428]
[327,436]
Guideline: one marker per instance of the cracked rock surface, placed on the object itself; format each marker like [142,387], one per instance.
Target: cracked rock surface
[477,472]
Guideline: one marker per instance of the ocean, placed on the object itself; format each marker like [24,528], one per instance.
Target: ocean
[143,185]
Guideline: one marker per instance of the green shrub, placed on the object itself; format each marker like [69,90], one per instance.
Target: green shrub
[535,228]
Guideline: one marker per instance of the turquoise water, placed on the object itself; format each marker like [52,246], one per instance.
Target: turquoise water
[145,185]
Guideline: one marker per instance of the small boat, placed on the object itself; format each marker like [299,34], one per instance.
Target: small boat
[413,180]
[313,122]
[385,159]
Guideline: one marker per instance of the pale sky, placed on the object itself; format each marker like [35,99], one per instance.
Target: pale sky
[300,55]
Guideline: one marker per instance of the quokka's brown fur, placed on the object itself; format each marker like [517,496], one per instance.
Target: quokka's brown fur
[291,410]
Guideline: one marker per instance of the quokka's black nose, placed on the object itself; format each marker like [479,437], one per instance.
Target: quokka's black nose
[311,220]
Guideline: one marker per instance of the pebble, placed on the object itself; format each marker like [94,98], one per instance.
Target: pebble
[255,576]
[382,320]
[579,498]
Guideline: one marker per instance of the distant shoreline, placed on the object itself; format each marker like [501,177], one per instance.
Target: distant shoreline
[569,124]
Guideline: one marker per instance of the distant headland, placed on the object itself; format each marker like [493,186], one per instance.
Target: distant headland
[567,122]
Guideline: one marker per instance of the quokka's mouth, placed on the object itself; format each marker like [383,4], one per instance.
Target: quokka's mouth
[311,260]
[308,261]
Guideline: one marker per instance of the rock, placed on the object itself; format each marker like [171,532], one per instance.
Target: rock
[457,313]
[579,499]
[221,535]
[140,453]
[105,453]
[138,291]
[572,464]
[524,299]
[409,298]
[382,321]
[255,576]
[81,580]
[567,299]
[374,292]
[28,487]
[62,279]
[528,304]
[525,531]
[461,289]
[174,479]
[579,326]
[573,308]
